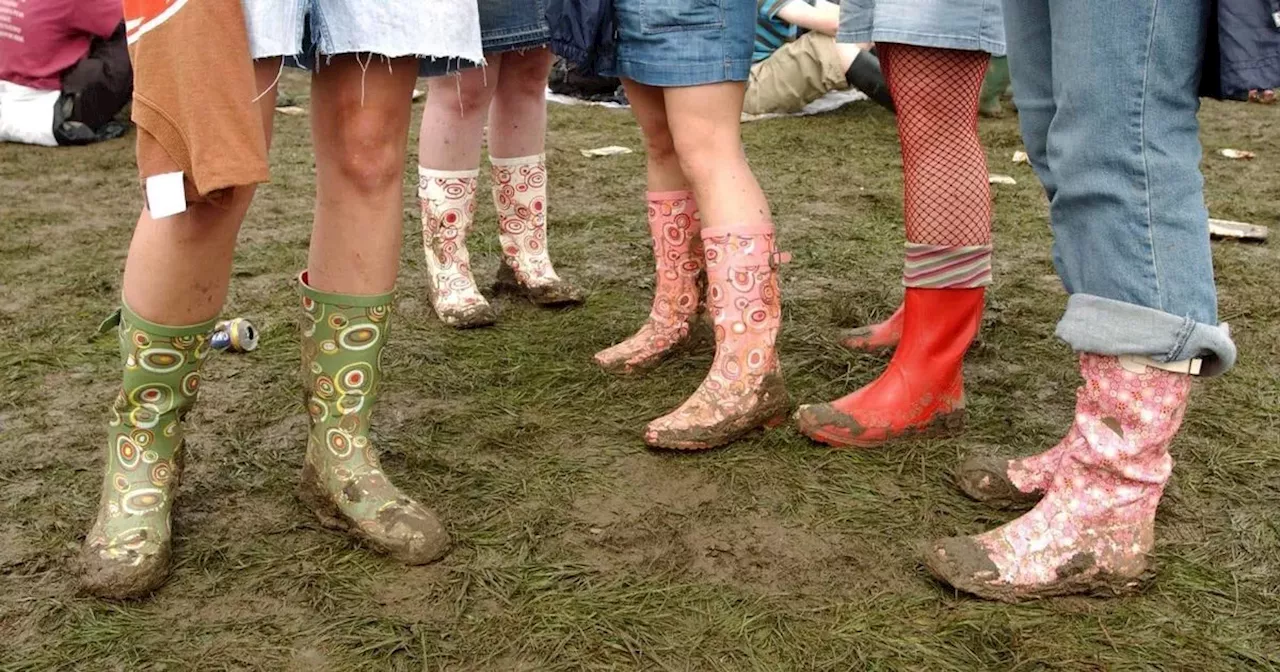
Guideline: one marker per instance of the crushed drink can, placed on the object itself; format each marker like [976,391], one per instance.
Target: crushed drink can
[234,335]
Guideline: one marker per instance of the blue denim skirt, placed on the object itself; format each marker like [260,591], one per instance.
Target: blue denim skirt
[505,25]
[684,42]
[969,25]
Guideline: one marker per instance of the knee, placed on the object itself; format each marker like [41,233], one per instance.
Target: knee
[465,96]
[524,77]
[702,156]
[659,145]
[367,152]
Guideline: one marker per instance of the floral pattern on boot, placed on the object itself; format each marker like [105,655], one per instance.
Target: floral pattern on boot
[1093,530]
[342,479]
[448,209]
[675,225]
[126,554]
[744,389]
[520,196]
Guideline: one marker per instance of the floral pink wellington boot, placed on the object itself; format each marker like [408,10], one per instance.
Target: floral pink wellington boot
[1094,527]
[744,389]
[520,195]
[677,249]
[448,210]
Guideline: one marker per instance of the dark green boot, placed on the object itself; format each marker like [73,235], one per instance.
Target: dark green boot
[993,87]
[342,481]
[126,554]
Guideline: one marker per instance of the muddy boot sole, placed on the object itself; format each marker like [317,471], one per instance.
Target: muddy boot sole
[483,316]
[119,581]
[986,480]
[974,575]
[316,498]
[940,426]
[772,412]
[561,294]
[701,333]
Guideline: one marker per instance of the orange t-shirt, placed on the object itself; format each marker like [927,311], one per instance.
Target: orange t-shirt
[193,94]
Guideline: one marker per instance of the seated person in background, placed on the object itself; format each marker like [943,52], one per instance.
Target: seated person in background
[64,72]
[792,69]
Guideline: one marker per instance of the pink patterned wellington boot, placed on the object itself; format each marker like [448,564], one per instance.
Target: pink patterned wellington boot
[448,210]
[744,389]
[676,228]
[1093,529]
[520,196]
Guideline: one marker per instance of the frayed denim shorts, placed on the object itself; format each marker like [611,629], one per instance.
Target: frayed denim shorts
[969,25]
[303,29]
[505,25]
[684,42]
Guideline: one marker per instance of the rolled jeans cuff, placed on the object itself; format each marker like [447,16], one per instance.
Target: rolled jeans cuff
[1108,327]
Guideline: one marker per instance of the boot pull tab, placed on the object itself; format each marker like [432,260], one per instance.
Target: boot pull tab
[777,259]
[1139,365]
[112,322]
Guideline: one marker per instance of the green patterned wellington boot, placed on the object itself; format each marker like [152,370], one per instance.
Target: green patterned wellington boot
[342,482]
[126,554]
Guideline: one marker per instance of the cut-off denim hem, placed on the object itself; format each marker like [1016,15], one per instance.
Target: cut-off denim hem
[505,26]
[1108,327]
[299,30]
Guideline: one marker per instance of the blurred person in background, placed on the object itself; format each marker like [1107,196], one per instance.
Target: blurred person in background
[64,71]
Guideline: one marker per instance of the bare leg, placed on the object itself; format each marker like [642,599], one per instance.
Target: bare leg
[650,109]
[448,179]
[175,282]
[518,114]
[179,267]
[704,122]
[360,125]
[675,226]
[454,116]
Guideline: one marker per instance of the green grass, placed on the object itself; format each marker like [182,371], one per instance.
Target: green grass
[576,547]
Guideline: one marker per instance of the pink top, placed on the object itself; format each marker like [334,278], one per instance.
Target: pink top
[39,39]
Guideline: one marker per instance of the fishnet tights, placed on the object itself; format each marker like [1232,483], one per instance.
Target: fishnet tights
[946,198]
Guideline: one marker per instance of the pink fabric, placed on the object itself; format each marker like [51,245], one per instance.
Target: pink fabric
[1104,491]
[674,224]
[45,38]
[742,295]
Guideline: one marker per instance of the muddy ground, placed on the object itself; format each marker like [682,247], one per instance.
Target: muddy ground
[577,548]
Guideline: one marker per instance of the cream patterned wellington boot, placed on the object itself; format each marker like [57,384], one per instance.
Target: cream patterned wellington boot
[448,210]
[520,196]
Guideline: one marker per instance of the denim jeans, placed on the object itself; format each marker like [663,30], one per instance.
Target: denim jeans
[1107,98]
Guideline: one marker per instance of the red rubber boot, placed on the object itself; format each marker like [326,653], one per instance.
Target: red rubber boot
[922,390]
